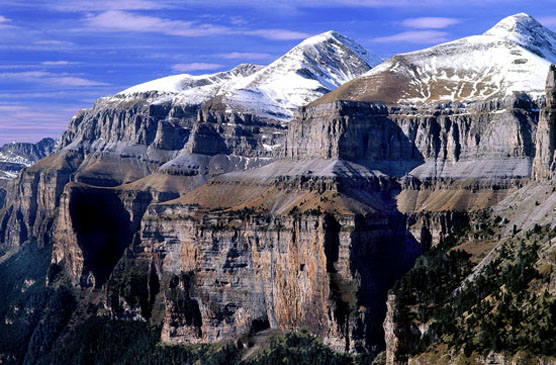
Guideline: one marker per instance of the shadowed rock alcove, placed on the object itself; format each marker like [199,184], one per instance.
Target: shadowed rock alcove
[102,226]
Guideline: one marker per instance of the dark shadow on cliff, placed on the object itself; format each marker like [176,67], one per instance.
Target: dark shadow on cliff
[103,229]
[377,142]
[382,252]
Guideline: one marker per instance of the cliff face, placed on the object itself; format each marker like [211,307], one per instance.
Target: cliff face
[245,267]
[451,157]
[444,141]
[32,199]
[157,132]
[243,253]
[93,228]
[546,135]
[116,123]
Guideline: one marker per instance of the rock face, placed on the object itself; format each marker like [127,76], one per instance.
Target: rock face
[241,254]
[32,199]
[399,336]
[446,141]
[546,135]
[124,140]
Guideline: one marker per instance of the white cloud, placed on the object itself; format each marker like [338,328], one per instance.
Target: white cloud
[105,5]
[76,81]
[50,78]
[417,37]
[54,43]
[122,21]
[57,63]
[430,22]
[24,75]
[116,20]
[277,34]
[245,55]
[5,23]
[196,66]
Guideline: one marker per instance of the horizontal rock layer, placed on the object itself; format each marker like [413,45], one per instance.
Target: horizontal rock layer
[433,142]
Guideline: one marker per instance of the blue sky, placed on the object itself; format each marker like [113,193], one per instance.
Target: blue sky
[59,56]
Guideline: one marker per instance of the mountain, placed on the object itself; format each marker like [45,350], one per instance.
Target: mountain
[525,31]
[511,57]
[311,69]
[180,120]
[224,221]
[192,89]
[15,156]
[314,67]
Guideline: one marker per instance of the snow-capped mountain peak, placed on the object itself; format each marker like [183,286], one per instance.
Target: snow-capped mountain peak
[527,32]
[312,68]
[184,82]
[16,156]
[512,57]
[332,36]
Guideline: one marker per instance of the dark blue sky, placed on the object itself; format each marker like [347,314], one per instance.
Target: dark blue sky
[59,56]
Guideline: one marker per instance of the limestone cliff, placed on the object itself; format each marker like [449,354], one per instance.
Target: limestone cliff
[32,200]
[456,141]
[242,254]
[546,135]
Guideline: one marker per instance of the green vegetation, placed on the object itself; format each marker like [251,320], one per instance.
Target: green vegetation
[32,314]
[298,348]
[505,308]
[100,340]
[21,289]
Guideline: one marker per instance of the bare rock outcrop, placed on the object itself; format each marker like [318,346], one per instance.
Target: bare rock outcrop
[546,133]
[430,142]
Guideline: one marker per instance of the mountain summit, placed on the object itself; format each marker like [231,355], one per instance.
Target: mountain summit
[525,31]
[511,57]
[314,67]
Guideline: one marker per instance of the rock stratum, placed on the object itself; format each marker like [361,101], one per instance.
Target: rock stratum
[212,207]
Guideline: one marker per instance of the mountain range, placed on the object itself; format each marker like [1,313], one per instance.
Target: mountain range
[400,209]
[511,57]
